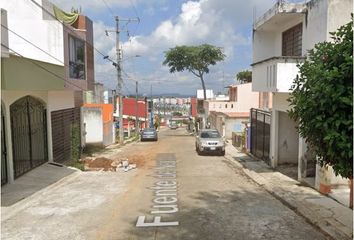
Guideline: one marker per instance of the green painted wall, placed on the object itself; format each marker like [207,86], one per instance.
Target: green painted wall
[26,74]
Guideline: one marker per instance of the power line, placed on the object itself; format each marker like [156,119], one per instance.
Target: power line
[29,42]
[67,27]
[135,10]
[45,69]
[108,7]
[32,44]
[137,16]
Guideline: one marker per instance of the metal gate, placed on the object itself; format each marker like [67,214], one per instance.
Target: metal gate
[3,151]
[66,134]
[29,134]
[260,133]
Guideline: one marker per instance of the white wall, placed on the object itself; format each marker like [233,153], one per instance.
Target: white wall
[288,140]
[338,14]
[280,102]
[209,94]
[263,45]
[92,119]
[4,34]
[26,19]
[231,123]
[58,100]
[268,43]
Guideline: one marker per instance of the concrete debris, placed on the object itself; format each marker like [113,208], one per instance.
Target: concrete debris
[106,164]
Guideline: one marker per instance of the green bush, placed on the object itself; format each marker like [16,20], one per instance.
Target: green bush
[322,101]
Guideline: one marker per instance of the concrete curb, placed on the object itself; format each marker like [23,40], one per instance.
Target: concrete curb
[322,217]
[8,212]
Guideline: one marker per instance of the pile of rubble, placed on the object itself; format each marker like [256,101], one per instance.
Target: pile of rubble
[106,164]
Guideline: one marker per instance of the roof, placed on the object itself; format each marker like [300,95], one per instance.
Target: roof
[232,114]
[238,114]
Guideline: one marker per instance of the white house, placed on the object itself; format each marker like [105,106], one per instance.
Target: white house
[281,38]
[45,64]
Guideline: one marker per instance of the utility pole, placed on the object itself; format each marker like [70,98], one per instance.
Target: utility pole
[119,90]
[136,108]
[118,65]
[152,107]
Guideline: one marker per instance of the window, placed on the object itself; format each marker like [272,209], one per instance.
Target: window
[225,105]
[76,58]
[292,41]
[232,106]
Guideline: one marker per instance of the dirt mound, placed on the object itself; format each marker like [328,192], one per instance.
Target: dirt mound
[99,163]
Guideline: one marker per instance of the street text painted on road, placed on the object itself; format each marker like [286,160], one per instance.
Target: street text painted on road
[165,192]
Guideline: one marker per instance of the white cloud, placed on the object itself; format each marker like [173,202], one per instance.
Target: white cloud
[226,24]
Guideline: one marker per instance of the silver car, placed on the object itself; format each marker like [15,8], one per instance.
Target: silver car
[148,134]
[209,141]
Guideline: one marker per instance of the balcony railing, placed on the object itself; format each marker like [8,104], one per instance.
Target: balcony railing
[275,74]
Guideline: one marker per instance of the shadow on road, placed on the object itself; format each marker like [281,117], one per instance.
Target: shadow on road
[239,214]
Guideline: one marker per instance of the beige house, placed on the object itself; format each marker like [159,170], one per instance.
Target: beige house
[41,85]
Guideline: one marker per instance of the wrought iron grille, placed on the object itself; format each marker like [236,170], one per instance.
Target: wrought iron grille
[29,134]
[66,134]
[260,133]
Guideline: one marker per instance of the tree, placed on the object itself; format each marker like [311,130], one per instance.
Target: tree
[244,76]
[322,101]
[195,59]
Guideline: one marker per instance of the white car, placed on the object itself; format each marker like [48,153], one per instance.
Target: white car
[209,141]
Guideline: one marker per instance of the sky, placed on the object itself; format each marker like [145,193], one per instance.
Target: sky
[165,24]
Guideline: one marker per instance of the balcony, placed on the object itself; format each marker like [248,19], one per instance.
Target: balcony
[280,13]
[275,74]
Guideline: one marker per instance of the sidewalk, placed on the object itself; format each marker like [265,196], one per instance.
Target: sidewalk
[330,216]
[32,186]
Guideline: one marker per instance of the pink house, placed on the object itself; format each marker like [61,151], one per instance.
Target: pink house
[231,116]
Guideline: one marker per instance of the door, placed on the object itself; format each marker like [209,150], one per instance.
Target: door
[29,134]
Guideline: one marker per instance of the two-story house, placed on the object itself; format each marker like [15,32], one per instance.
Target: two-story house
[281,38]
[45,65]
[228,114]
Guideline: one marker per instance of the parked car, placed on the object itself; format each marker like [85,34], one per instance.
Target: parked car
[209,141]
[173,126]
[148,134]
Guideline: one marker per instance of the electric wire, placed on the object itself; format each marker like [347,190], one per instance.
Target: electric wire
[108,7]
[45,69]
[67,27]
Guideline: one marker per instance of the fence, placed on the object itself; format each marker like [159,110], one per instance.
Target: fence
[260,133]
[66,134]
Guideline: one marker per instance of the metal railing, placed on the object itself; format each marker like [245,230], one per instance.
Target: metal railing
[260,133]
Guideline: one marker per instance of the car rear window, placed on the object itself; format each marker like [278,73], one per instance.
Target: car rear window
[210,135]
[149,130]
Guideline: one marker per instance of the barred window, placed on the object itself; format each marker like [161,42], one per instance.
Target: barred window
[76,58]
[292,41]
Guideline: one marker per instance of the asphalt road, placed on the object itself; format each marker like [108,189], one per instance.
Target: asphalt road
[174,194]
[215,200]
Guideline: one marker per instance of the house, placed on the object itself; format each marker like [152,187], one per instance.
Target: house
[281,38]
[46,65]
[193,108]
[230,113]
[133,110]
